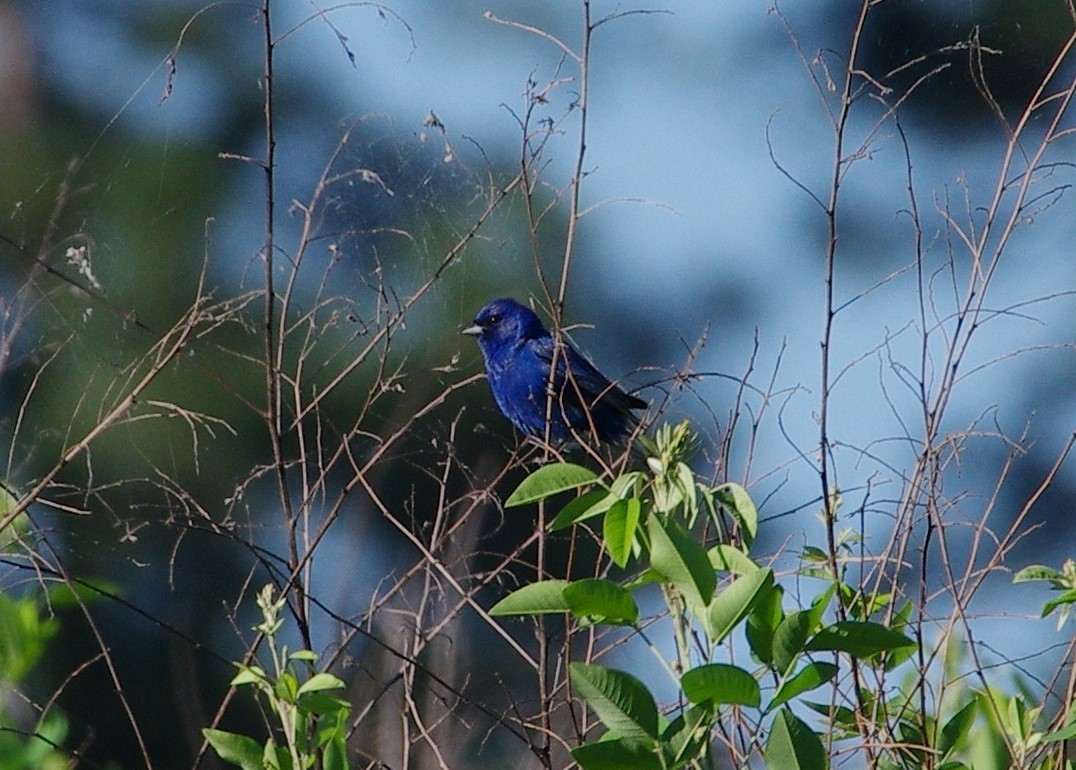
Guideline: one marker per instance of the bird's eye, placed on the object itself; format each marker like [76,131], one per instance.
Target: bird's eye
[493,320]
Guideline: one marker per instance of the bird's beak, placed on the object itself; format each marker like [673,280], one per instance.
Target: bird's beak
[472,331]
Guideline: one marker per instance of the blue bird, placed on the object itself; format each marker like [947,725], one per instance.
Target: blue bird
[518,352]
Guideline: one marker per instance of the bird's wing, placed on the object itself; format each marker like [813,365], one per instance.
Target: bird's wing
[585,379]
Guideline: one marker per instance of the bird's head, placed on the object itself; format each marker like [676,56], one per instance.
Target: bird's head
[504,321]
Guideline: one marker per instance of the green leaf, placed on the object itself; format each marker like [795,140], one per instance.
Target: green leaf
[678,557]
[841,716]
[732,605]
[321,704]
[729,558]
[71,595]
[739,503]
[308,656]
[331,728]
[1069,597]
[685,480]
[548,481]
[619,528]
[627,485]
[812,676]
[238,749]
[615,754]
[956,729]
[645,578]
[249,675]
[872,603]
[1019,717]
[621,701]
[793,746]
[1064,734]
[276,757]
[1037,572]
[789,640]
[988,748]
[899,622]
[674,486]
[819,605]
[286,687]
[763,622]
[24,633]
[321,681]
[812,553]
[8,501]
[541,598]
[666,496]
[684,738]
[19,527]
[587,505]
[911,735]
[335,755]
[598,501]
[720,683]
[603,599]
[860,639]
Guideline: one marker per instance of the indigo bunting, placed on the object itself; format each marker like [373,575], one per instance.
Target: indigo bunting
[518,352]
